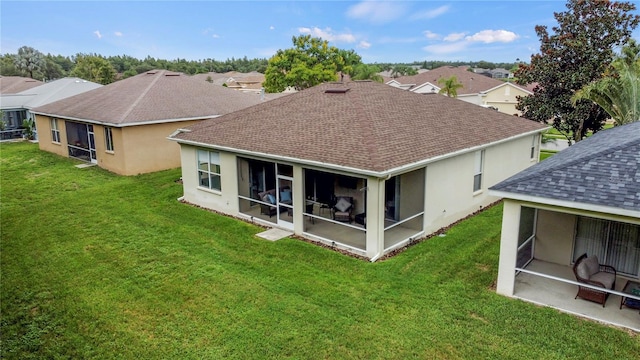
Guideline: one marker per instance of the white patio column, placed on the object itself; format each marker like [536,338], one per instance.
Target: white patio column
[298,199]
[508,248]
[375,217]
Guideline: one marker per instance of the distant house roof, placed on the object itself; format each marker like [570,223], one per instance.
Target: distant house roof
[473,83]
[603,170]
[16,84]
[154,96]
[54,91]
[360,125]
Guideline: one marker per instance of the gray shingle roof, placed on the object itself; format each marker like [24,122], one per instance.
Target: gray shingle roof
[154,96]
[370,126]
[601,170]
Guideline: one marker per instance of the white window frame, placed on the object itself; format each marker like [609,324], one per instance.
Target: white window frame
[108,139]
[534,146]
[208,170]
[477,170]
[55,131]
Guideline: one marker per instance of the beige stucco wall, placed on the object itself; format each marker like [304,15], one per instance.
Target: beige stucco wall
[45,141]
[504,99]
[146,148]
[450,194]
[137,149]
[554,237]
[225,201]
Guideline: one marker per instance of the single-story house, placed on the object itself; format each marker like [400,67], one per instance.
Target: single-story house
[584,199]
[476,88]
[358,165]
[17,107]
[123,126]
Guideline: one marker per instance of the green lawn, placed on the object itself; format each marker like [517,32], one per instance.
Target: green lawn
[95,265]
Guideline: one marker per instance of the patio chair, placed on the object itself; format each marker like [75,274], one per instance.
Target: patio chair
[589,271]
[268,197]
[343,208]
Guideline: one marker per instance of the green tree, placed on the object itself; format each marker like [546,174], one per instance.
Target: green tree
[94,68]
[310,62]
[366,72]
[618,92]
[28,60]
[449,86]
[7,65]
[52,70]
[575,54]
[402,70]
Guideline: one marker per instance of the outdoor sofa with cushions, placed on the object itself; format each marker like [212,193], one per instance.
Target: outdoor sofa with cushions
[589,271]
[269,197]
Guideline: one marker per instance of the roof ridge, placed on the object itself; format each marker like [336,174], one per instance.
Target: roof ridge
[369,128]
[142,95]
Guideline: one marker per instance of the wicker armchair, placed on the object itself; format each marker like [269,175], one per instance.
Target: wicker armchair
[587,270]
[343,208]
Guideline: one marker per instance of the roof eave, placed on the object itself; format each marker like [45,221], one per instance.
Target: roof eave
[378,174]
[567,204]
[105,123]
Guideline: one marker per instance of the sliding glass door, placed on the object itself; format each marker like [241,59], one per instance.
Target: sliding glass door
[614,243]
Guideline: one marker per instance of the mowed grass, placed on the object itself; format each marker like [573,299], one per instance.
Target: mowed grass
[95,265]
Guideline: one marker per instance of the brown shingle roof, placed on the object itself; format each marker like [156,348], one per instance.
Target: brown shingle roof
[472,83]
[154,96]
[372,126]
[16,84]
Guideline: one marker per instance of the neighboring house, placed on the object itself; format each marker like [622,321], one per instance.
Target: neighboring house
[500,73]
[584,199]
[476,88]
[245,82]
[17,107]
[358,165]
[123,127]
[16,84]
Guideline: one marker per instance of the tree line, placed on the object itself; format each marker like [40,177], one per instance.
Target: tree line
[30,62]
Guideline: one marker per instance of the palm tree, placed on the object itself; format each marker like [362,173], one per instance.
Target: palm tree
[618,92]
[366,72]
[449,86]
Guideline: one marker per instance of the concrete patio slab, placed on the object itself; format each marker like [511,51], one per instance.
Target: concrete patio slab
[274,234]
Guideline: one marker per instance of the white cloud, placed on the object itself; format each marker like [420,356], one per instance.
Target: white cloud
[431,35]
[97,33]
[327,34]
[118,34]
[215,36]
[446,48]
[272,27]
[430,14]
[392,40]
[377,11]
[454,36]
[364,44]
[491,36]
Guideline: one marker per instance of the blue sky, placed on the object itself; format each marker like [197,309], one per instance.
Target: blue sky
[379,31]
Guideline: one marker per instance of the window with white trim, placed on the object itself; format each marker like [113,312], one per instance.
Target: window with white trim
[55,132]
[477,173]
[209,169]
[108,138]
[534,144]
